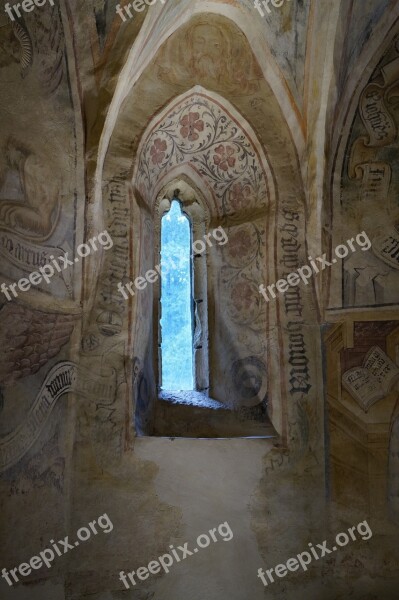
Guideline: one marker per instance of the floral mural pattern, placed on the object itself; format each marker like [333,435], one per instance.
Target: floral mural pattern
[199,132]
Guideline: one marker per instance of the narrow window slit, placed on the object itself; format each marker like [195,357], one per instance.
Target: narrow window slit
[176,301]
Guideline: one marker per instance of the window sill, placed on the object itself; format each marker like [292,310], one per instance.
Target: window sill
[191,398]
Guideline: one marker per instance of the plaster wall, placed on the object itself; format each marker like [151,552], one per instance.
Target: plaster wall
[84,92]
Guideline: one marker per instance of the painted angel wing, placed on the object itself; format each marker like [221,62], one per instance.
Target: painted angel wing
[29,339]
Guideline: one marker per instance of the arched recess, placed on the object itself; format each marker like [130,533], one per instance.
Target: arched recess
[200,135]
[161,25]
[364,187]
[257,347]
[362,293]
[272,102]
[290,334]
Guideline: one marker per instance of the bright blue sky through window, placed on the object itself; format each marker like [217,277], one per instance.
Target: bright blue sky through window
[176,321]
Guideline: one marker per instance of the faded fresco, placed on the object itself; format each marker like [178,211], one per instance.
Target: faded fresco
[276,121]
[38,193]
[369,178]
[210,54]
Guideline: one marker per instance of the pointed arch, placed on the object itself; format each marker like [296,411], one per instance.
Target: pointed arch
[202,134]
[160,26]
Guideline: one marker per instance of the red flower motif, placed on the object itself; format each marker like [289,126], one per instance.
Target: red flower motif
[240,195]
[224,157]
[242,296]
[190,123]
[158,151]
[239,243]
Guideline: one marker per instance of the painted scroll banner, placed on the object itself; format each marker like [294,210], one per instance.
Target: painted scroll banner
[374,176]
[62,378]
[29,257]
[386,247]
[59,381]
[379,123]
[375,184]
[376,117]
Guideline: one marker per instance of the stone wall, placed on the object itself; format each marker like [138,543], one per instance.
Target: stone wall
[284,127]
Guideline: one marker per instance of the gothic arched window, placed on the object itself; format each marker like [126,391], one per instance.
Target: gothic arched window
[181,298]
[176,301]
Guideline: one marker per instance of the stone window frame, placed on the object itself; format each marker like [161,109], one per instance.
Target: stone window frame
[194,207]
